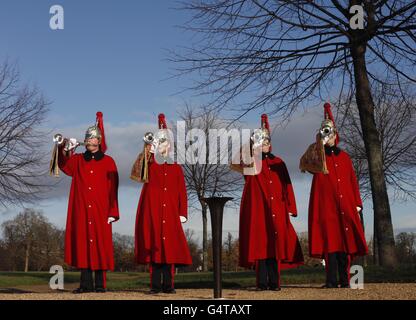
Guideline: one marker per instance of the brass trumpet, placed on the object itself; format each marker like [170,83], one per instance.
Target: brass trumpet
[149,137]
[58,139]
[327,129]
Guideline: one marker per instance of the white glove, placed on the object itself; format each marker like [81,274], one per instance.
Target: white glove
[325,140]
[358,209]
[72,144]
[152,148]
[111,220]
[183,219]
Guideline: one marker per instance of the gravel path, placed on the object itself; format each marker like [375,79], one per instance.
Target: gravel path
[379,291]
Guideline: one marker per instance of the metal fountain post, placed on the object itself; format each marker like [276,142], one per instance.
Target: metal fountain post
[216,209]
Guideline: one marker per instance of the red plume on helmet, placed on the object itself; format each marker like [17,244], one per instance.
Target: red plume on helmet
[162,121]
[328,115]
[265,122]
[265,125]
[100,125]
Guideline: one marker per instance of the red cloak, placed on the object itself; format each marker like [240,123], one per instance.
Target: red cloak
[265,227]
[159,237]
[92,200]
[334,223]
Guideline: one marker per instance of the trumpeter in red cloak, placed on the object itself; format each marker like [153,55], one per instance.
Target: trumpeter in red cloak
[267,239]
[92,206]
[335,230]
[159,237]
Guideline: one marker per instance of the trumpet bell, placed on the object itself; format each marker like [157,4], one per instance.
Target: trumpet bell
[149,138]
[58,138]
[327,128]
[326,131]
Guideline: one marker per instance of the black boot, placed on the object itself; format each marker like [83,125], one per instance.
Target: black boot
[343,270]
[156,278]
[167,272]
[99,281]
[86,283]
[261,274]
[273,274]
[331,271]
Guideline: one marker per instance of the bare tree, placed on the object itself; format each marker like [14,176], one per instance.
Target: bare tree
[205,180]
[285,54]
[406,247]
[395,117]
[22,161]
[34,240]
[124,253]
[230,254]
[195,250]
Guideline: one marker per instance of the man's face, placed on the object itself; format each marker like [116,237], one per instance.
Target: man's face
[265,146]
[161,142]
[331,140]
[148,147]
[163,148]
[93,144]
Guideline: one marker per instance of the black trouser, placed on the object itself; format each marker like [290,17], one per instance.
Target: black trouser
[268,273]
[337,262]
[159,271]
[87,282]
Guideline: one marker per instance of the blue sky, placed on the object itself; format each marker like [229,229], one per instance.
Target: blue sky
[111,56]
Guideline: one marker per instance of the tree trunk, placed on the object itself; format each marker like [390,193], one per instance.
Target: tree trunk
[375,249]
[382,215]
[27,253]
[362,260]
[204,237]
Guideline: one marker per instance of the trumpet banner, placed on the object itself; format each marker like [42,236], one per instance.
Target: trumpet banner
[140,169]
[313,160]
[53,164]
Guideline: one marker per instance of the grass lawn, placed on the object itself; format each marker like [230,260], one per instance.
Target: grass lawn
[134,280]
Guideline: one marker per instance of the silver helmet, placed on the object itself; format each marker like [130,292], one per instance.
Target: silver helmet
[93,132]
